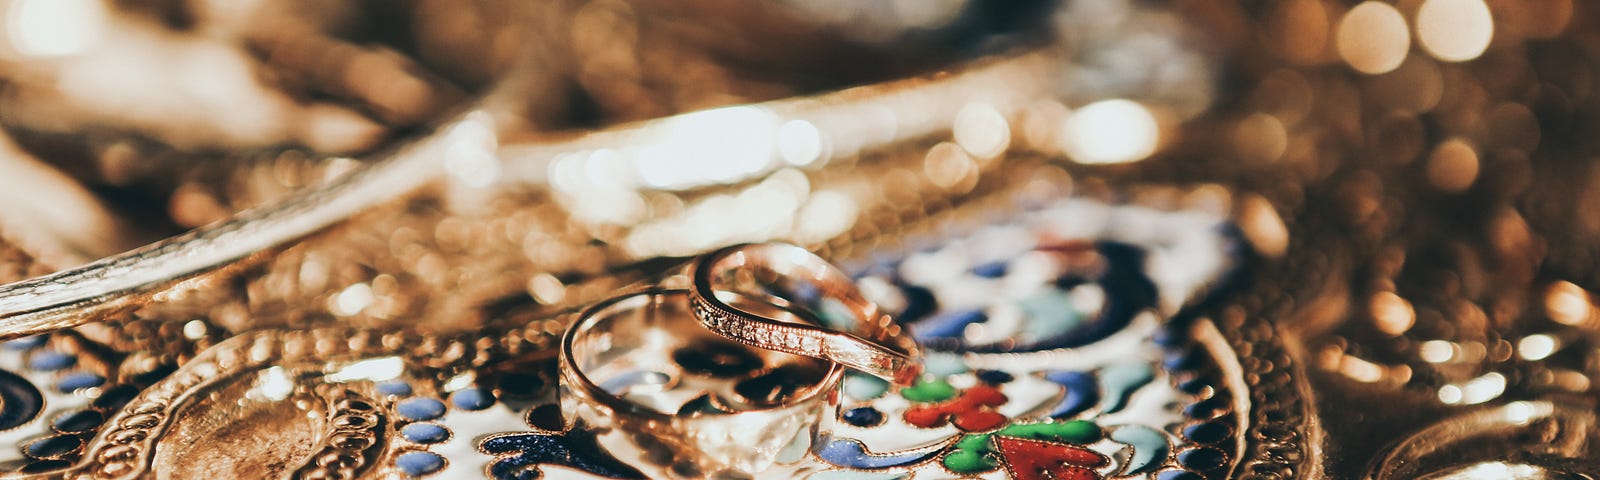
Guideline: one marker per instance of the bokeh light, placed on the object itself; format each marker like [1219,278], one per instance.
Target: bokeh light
[1568,304]
[799,142]
[1111,131]
[711,146]
[1373,37]
[1391,313]
[982,130]
[1454,30]
[1453,166]
[54,28]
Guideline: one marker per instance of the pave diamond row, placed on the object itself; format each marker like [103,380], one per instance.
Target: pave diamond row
[788,340]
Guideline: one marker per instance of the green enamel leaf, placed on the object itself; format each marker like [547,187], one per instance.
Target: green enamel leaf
[970,455]
[1076,431]
[929,391]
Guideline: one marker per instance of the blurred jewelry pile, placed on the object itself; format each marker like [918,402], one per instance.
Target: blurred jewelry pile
[1076,239]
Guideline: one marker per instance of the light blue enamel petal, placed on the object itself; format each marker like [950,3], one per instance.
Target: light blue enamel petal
[851,453]
[1050,312]
[836,315]
[1120,381]
[797,447]
[864,387]
[943,363]
[1149,446]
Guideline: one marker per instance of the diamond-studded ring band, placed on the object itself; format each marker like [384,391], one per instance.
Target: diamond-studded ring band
[873,343]
[660,392]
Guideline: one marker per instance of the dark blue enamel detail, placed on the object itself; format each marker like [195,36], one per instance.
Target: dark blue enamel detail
[20,401]
[863,416]
[522,454]
[77,421]
[53,446]
[1082,392]
[75,381]
[50,360]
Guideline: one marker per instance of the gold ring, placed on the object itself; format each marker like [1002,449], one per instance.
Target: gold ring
[674,400]
[847,328]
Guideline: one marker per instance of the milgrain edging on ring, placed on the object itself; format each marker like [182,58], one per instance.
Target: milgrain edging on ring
[571,371]
[786,339]
[877,346]
[745,440]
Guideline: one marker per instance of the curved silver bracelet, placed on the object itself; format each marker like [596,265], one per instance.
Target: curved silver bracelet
[76,296]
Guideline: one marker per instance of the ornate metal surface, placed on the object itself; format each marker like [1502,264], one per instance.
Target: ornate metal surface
[1166,240]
